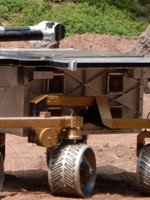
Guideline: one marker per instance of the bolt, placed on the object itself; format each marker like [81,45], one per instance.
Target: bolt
[49,138]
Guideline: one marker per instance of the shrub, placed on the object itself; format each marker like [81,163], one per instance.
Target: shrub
[90,16]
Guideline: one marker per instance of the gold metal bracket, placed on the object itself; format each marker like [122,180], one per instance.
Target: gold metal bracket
[41,122]
[104,111]
[47,137]
[117,123]
[135,123]
[70,101]
[65,100]
[45,129]
[74,134]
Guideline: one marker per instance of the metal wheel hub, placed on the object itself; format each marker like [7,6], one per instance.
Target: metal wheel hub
[72,170]
[85,171]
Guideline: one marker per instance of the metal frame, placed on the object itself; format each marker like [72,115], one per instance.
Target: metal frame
[87,71]
[71,59]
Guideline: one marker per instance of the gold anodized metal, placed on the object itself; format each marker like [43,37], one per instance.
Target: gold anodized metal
[104,110]
[117,123]
[41,122]
[46,121]
[45,130]
[65,100]
[74,134]
[39,98]
[70,101]
[128,123]
[48,137]
[45,114]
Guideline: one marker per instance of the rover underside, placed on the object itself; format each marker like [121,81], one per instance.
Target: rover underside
[57,98]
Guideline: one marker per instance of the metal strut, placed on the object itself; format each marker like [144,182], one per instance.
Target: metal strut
[45,129]
[104,110]
[45,30]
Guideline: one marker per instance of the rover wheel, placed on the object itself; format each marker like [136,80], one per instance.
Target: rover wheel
[72,170]
[143,170]
[1,171]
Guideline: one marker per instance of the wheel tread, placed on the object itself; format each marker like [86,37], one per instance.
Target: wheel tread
[62,171]
[144,170]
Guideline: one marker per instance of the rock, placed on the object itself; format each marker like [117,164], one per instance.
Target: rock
[142,46]
[106,145]
[43,44]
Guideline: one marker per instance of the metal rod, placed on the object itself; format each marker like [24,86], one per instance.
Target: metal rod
[127,123]
[46,30]
[40,122]
[21,35]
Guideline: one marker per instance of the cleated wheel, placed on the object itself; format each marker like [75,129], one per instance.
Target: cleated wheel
[72,170]
[1,172]
[143,170]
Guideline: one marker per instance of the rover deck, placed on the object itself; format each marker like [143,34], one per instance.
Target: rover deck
[71,59]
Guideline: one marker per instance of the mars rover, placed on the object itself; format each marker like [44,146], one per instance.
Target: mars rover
[58,97]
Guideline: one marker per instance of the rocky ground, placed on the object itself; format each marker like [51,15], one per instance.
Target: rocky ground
[25,166]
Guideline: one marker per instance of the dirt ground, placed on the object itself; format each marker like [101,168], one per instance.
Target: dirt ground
[86,41]
[25,164]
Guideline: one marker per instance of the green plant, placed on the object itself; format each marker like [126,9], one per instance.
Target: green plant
[143,2]
[128,5]
[78,18]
